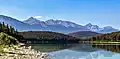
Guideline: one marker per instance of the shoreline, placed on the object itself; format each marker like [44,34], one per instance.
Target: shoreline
[17,52]
[96,42]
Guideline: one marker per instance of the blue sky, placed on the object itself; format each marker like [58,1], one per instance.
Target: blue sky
[99,12]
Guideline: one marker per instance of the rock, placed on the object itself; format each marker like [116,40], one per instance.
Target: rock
[23,53]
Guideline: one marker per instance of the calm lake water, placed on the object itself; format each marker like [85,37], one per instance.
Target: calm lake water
[80,51]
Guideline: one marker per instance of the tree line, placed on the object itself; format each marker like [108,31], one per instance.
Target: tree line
[47,36]
[10,31]
[114,36]
[36,35]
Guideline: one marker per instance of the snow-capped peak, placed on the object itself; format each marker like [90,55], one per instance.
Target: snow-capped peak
[32,21]
[93,27]
[63,23]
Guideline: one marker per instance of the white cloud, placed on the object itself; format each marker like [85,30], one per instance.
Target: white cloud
[38,17]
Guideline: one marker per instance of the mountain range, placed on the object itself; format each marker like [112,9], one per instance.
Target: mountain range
[33,24]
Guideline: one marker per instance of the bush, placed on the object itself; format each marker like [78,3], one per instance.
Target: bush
[5,39]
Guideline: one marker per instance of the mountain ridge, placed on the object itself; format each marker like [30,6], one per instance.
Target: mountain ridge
[33,24]
[87,27]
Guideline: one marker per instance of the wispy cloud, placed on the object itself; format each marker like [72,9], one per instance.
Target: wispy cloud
[38,17]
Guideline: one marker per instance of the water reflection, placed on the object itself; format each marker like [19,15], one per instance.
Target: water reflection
[113,48]
[82,48]
[80,51]
[70,54]
[50,47]
[57,47]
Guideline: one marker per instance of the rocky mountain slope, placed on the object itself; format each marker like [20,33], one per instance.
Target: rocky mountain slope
[33,24]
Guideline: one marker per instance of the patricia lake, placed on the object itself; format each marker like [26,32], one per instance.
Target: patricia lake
[80,51]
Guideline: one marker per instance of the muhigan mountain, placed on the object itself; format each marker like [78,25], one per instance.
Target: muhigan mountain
[33,24]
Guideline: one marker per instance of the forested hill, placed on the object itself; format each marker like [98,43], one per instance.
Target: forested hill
[46,35]
[5,28]
[37,36]
[114,36]
[85,34]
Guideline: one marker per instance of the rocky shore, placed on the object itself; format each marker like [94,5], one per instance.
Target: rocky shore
[17,52]
[10,48]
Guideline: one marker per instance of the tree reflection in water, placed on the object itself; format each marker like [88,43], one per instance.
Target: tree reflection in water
[113,48]
[78,51]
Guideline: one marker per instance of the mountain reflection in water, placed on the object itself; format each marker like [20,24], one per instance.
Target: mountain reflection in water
[80,51]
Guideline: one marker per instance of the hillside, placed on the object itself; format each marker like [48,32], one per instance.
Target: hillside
[84,34]
[48,36]
[110,37]
[10,49]
[6,39]
[10,45]
[16,24]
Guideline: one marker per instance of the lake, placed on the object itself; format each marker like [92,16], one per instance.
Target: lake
[80,51]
